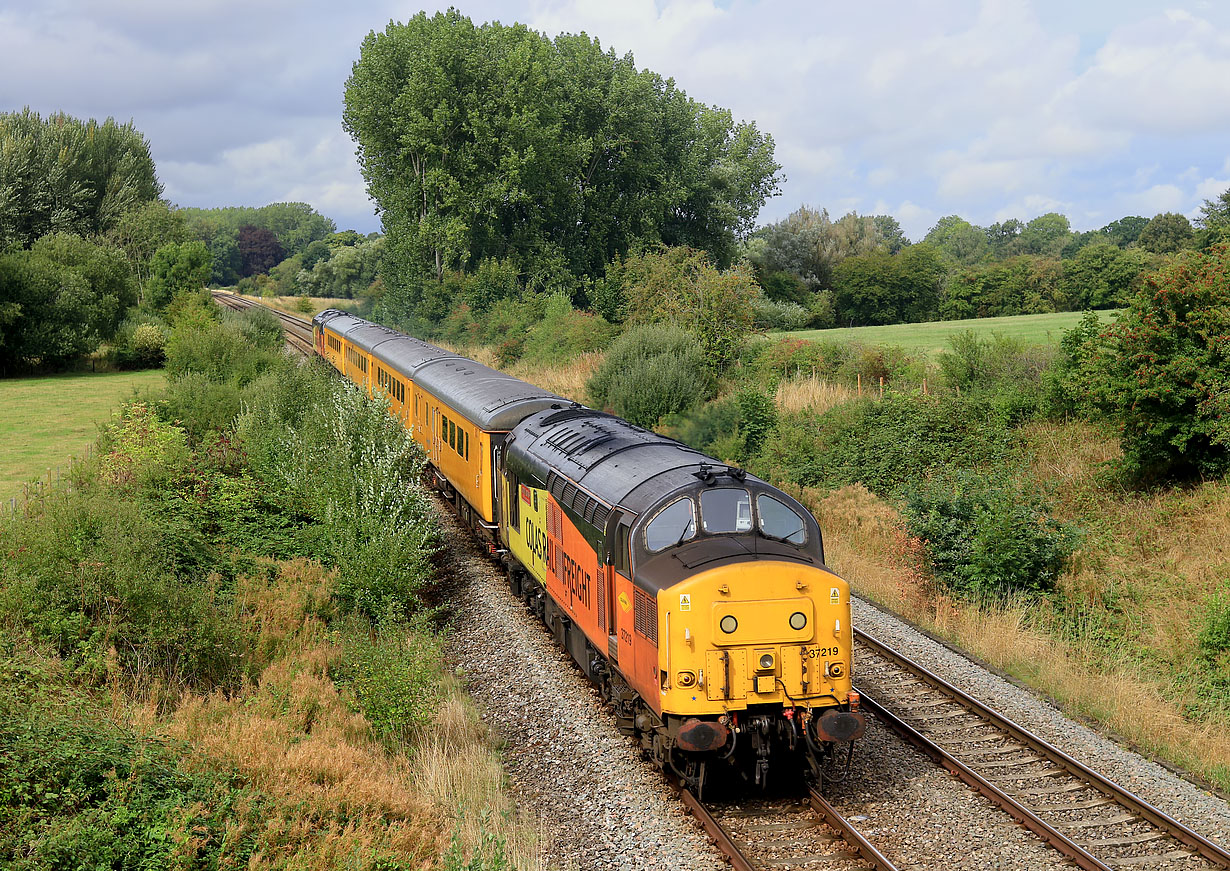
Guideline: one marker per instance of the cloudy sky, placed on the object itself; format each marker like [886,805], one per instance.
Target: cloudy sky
[989,109]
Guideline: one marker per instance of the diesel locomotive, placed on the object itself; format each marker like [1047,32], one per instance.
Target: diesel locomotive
[694,595]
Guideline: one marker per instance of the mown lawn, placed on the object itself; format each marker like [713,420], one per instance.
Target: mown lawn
[932,337]
[46,420]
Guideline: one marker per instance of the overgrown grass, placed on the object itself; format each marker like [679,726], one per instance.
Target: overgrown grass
[48,420]
[211,660]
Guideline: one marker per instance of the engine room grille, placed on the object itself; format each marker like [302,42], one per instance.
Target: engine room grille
[645,616]
[602,600]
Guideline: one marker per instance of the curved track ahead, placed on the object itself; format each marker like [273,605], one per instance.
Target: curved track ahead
[298,331]
[1090,819]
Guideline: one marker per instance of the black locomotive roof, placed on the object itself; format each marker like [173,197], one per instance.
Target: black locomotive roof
[339,322]
[618,462]
[492,400]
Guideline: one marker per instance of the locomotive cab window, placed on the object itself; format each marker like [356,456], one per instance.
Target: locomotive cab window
[674,524]
[778,520]
[726,509]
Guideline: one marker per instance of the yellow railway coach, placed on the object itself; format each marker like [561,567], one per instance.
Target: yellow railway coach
[458,410]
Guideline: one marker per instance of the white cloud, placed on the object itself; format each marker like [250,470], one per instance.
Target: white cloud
[985,108]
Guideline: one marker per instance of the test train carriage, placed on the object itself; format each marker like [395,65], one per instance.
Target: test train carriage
[694,595]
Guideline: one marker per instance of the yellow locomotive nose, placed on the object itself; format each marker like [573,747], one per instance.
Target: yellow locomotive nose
[767,632]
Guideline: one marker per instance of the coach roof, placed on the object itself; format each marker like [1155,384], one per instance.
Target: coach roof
[494,401]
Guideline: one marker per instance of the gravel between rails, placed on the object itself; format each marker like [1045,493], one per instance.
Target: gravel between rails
[1206,813]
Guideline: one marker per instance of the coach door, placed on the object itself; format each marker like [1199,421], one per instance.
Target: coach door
[435,436]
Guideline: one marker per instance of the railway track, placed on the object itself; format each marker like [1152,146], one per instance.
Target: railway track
[1090,819]
[298,331]
[787,834]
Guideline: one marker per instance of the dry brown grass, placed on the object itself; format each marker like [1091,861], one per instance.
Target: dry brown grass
[809,393]
[567,379]
[865,542]
[338,797]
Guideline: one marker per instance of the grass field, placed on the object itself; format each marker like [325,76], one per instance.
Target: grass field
[47,420]
[932,337]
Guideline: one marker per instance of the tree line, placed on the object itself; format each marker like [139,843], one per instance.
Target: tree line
[90,253]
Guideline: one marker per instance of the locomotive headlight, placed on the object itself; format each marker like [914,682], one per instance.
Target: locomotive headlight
[798,620]
[686,678]
[766,662]
[728,624]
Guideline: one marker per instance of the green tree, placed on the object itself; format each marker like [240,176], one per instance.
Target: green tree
[1101,275]
[1215,212]
[883,288]
[1046,235]
[143,230]
[62,298]
[959,240]
[1002,237]
[682,286]
[1163,370]
[1166,233]
[1124,231]
[177,268]
[61,174]
[492,141]
[1018,285]
[891,235]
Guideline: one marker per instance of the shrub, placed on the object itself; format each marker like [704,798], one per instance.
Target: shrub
[649,372]
[394,675]
[986,539]
[112,584]
[1163,371]
[140,342]
[219,352]
[374,520]
[138,450]
[1214,638]
[771,314]
[681,286]
[885,444]
[79,791]
[565,333]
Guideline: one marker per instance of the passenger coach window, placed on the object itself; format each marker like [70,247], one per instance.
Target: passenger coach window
[780,521]
[726,509]
[676,523]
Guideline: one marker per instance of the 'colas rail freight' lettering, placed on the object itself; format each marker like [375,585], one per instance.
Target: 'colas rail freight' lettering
[536,540]
[577,581]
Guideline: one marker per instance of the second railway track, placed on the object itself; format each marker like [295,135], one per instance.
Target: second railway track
[1093,821]
[298,331]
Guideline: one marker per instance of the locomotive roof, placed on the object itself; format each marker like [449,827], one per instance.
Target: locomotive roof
[487,397]
[618,462]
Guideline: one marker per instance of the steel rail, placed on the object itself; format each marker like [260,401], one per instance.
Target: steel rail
[721,837]
[1116,793]
[849,834]
[298,331]
[984,787]
[864,849]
